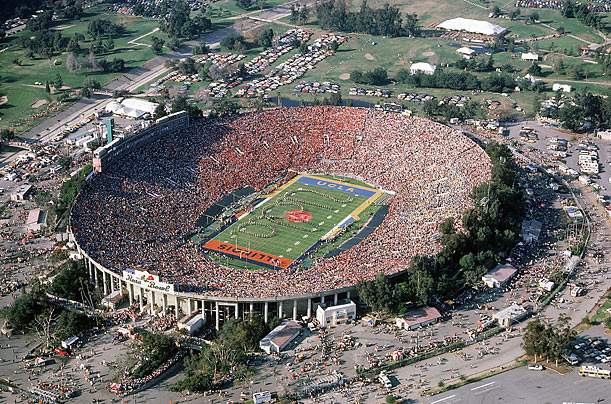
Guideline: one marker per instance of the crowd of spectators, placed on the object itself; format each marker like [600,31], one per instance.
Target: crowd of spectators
[137,213]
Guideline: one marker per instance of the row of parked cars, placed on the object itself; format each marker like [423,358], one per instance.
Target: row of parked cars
[294,68]
[592,350]
[372,92]
[316,87]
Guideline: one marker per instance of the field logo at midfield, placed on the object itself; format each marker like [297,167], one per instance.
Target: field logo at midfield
[298,216]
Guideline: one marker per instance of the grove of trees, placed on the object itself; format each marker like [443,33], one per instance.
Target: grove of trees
[550,341]
[334,15]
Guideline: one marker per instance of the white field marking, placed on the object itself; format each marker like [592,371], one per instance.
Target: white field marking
[483,385]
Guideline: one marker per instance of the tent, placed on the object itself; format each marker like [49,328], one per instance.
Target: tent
[425,68]
[397,355]
[474,26]
[466,52]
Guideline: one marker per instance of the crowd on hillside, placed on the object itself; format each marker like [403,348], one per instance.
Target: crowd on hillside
[136,214]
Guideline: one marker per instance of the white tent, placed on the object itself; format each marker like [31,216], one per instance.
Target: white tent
[533,57]
[465,51]
[474,26]
[142,105]
[421,67]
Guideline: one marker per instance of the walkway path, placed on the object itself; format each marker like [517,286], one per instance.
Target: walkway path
[134,41]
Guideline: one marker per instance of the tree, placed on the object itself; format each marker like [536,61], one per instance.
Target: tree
[377,294]
[59,82]
[496,10]
[244,4]
[47,87]
[232,40]
[515,14]
[575,71]
[411,24]
[91,83]
[534,69]
[157,45]
[261,4]
[303,48]
[264,37]
[535,340]
[334,46]
[335,99]
[42,198]
[160,112]
[558,66]
[356,76]
[71,323]
[85,92]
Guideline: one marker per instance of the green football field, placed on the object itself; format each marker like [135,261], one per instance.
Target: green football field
[269,230]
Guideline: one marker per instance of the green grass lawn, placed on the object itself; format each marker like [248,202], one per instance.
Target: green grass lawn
[268,230]
[573,26]
[16,81]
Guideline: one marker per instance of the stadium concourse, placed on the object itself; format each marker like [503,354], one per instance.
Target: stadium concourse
[131,220]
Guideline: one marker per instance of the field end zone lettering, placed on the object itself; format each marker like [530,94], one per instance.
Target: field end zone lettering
[340,187]
[242,253]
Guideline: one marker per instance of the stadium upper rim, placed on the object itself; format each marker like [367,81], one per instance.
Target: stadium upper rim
[134,215]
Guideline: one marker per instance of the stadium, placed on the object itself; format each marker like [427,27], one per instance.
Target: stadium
[270,212]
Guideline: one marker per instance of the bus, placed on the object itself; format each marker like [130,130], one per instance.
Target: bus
[593,371]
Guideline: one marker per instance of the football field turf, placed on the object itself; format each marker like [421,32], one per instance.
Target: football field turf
[288,223]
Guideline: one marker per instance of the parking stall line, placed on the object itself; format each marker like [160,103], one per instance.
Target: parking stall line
[483,385]
[444,399]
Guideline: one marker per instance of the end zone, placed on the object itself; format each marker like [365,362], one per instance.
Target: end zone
[248,255]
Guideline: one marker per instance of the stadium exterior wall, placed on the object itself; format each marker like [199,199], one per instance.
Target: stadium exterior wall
[106,155]
[211,306]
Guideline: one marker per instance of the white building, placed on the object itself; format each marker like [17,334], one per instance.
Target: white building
[418,318]
[334,315]
[473,26]
[509,315]
[37,219]
[192,322]
[546,285]
[422,67]
[499,275]
[561,87]
[132,108]
[467,53]
[531,57]
[280,336]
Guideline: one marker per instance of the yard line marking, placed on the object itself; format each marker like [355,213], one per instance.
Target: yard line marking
[443,399]
[483,385]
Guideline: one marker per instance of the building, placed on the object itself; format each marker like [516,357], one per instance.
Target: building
[334,315]
[465,52]
[422,67]
[280,336]
[261,397]
[499,275]
[22,193]
[531,230]
[472,26]
[37,219]
[509,315]
[604,134]
[192,322]
[418,318]
[132,108]
[530,57]
[546,285]
[561,87]
[114,299]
